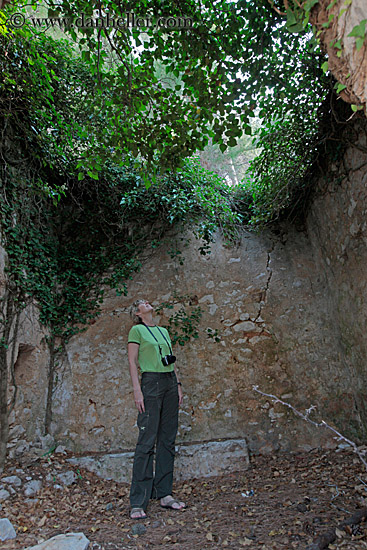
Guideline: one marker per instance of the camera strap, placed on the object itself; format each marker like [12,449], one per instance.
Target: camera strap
[151,332]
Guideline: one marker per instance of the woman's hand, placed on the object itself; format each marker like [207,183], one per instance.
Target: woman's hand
[139,400]
[180,395]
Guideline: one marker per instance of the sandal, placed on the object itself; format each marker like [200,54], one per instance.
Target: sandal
[138,511]
[170,505]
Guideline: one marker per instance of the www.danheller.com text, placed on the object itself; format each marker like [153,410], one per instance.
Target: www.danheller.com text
[125,21]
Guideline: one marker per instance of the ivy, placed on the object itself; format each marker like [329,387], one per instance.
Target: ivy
[184,322]
[213,334]
[162,95]
[73,225]
[99,138]
[359,31]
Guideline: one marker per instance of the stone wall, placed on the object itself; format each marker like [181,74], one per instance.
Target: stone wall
[337,226]
[30,369]
[290,311]
[260,298]
[269,305]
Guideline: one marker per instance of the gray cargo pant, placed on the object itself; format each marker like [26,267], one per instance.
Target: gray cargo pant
[157,428]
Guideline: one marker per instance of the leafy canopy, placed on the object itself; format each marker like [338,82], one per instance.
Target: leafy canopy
[160,93]
[68,238]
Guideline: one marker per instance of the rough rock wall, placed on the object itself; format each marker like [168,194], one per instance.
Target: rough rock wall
[269,305]
[337,227]
[30,368]
[290,310]
[27,419]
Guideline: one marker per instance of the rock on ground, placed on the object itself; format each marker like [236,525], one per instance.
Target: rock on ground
[12,480]
[32,487]
[67,478]
[138,529]
[4,494]
[7,531]
[70,541]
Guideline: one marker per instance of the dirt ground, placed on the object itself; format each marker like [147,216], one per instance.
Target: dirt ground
[281,502]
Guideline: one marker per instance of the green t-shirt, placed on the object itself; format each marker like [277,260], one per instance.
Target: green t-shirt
[149,357]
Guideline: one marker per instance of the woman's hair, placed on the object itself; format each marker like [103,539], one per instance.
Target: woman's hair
[133,311]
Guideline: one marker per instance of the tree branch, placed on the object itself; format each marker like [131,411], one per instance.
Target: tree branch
[306,416]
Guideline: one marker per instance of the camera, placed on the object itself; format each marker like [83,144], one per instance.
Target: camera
[168,360]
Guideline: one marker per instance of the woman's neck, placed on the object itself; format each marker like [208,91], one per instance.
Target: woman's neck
[148,320]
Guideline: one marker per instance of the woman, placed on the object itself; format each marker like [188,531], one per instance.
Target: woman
[157,400]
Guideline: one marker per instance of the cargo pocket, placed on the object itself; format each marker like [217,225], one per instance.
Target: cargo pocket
[150,388]
[143,424]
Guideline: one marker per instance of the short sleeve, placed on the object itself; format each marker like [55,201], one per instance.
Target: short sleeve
[134,336]
[166,333]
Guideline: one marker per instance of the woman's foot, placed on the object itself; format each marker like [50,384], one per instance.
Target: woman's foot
[137,513]
[172,503]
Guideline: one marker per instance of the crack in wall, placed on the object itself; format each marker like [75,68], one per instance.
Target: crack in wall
[264,292]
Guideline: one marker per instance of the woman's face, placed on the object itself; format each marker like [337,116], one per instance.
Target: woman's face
[144,307]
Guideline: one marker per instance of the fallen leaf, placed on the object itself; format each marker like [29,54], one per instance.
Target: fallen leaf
[42,521]
[246,542]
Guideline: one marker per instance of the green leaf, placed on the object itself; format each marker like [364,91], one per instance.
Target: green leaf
[93,175]
[359,30]
[310,4]
[331,4]
[356,108]
[359,43]
[297,28]
[291,18]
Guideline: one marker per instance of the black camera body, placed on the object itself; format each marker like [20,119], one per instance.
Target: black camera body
[168,360]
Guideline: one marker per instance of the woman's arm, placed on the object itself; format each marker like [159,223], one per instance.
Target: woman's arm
[132,352]
[180,392]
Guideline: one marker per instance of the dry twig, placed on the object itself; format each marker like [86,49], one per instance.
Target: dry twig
[322,424]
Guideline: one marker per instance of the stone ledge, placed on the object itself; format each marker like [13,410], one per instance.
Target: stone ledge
[206,459]
[69,541]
